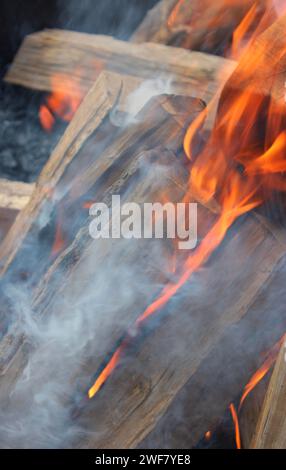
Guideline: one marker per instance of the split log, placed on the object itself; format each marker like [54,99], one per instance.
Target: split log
[94,159]
[81,57]
[203,366]
[271,429]
[201,25]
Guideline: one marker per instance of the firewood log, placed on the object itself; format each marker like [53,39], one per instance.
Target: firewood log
[211,343]
[80,57]
[93,160]
[271,428]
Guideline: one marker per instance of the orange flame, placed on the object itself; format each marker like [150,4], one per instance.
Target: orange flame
[59,242]
[46,118]
[235,139]
[106,372]
[236,425]
[208,435]
[262,371]
[174,13]
[62,102]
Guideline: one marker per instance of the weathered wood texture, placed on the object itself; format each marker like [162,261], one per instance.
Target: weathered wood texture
[82,57]
[93,160]
[203,363]
[271,429]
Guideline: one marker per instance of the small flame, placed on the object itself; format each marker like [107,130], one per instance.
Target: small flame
[174,13]
[63,102]
[208,435]
[106,372]
[46,118]
[236,425]
[263,370]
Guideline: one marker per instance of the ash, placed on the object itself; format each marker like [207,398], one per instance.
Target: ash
[24,145]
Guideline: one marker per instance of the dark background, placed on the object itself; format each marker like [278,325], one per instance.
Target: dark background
[20,17]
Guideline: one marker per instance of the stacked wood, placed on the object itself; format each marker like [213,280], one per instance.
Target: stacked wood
[187,359]
[94,160]
[270,431]
[201,25]
[200,331]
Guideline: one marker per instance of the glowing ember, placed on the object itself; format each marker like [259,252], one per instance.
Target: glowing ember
[208,435]
[46,118]
[236,425]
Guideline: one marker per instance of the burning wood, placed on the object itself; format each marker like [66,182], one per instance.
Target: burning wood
[224,25]
[270,432]
[84,56]
[128,373]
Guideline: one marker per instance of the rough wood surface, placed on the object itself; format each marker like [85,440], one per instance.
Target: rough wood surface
[94,159]
[271,429]
[198,334]
[82,57]
[15,195]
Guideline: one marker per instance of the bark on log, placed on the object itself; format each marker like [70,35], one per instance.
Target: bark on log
[271,429]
